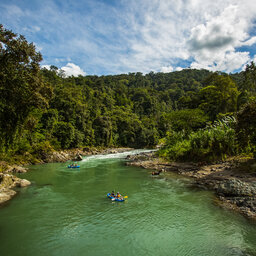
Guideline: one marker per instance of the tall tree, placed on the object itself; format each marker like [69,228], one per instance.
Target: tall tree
[219,96]
[21,86]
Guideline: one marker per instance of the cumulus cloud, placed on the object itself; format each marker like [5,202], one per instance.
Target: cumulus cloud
[178,68]
[228,62]
[167,69]
[206,31]
[72,69]
[214,44]
[131,36]
[250,42]
[218,33]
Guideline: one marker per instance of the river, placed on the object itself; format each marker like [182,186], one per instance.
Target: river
[66,212]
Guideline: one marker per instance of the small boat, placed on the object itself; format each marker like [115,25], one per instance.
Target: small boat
[74,166]
[115,198]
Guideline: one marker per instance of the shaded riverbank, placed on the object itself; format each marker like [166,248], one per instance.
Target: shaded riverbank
[234,181]
[9,182]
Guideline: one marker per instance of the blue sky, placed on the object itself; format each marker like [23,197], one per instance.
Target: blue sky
[121,36]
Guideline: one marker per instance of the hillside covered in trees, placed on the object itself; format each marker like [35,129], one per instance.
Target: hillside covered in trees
[194,114]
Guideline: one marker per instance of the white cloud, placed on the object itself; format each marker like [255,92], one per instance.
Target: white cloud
[72,70]
[154,37]
[219,32]
[169,31]
[231,61]
[178,68]
[214,43]
[46,66]
[148,35]
[32,29]
[14,10]
[249,62]
[250,42]
[167,69]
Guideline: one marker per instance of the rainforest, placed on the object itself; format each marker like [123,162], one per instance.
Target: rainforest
[193,114]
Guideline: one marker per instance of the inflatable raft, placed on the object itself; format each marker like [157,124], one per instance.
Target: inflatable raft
[77,166]
[115,198]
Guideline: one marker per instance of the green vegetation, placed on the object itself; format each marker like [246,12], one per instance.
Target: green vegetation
[213,142]
[41,110]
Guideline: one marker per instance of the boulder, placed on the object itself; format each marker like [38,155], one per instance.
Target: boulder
[7,181]
[17,169]
[24,183]
[78,158]
[235,187]
[6,195]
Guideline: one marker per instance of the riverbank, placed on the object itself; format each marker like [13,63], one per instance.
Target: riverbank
[9,182]
[77,154]
[233,181]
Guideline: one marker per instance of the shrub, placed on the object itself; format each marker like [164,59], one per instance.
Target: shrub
[214,142]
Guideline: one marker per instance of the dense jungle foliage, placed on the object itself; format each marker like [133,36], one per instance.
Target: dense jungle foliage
[43,110]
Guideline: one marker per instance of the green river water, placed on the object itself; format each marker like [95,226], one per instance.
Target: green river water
[66,212]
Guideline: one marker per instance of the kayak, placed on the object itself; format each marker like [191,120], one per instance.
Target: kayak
[114,198]
[78,166]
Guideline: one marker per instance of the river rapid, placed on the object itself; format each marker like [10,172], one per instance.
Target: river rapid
[66,212]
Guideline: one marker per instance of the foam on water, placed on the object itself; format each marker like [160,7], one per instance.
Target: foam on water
[116,155]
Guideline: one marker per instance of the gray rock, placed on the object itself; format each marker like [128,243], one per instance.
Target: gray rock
[235,187]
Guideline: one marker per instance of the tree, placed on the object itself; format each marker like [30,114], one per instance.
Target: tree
[219,96]
[65,133]
[21,85]
[250,77]
[187,119]
[103,131]
[246,127]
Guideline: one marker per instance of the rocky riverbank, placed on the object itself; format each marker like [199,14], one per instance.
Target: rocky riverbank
[77,154]
[8,180]
[234,181]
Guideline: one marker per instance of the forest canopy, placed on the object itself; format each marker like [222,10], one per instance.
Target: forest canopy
[42,109]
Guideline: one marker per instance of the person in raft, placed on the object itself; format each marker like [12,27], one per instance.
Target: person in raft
[113,194]
[118,195]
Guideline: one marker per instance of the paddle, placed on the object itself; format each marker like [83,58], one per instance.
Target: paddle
[125,196]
